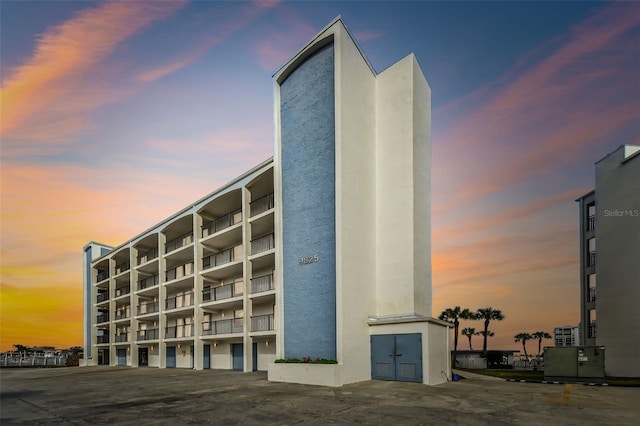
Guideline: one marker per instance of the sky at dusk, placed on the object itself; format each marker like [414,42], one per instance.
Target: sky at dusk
[115,115]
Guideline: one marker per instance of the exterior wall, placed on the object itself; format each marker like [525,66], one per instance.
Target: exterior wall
[266,355]
[585,303]
[308,207]
[617,231]
[221,356]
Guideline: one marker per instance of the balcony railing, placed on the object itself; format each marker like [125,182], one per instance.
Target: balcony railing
[148,282]
[181,241]
[591,297]
[124,337]
[173,331]
[102,275]
[262,244]
[229,326]
[591,223]
[222,222]
[147,256]
[122,314]
[261,205]
[592,330]
[102,296]
[121,291]
[148,334]
[591,258]
[262,323]
[102,339]
[179,301]
[179,272]
[222,292]
[122,267]
[217,259]
[262,284]
[102,317]
[148,307]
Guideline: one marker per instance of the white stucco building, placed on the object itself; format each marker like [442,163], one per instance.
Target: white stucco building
[322,252]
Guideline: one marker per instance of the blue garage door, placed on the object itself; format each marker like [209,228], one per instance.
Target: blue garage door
[122,357]
[206,358]
[171,357]
[397,357]
[237,355]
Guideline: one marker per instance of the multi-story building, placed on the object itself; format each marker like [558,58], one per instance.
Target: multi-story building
[567,335]
[610,275]
[322,252]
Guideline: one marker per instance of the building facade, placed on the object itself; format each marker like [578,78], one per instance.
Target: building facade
[610,274]
[322,252]
[567,335]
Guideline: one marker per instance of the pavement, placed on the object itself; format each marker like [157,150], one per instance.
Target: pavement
[149,396]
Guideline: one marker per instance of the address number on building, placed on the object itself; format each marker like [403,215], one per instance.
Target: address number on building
[309,259]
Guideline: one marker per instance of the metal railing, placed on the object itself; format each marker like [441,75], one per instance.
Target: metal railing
[102,317]
[173,331]
[102,339]
[591,258]
[179,272]
[121,291]
[592,330]
[222,222]
[148,282]
[181,301]
[102,275]
[591,223]
[123,337]
[217,259]
[591,297]
[122,267]
[262,244]
[262,283]
[122,314]
[262,323]
[147,256]
[222,292]
[148,334]
[229,326]
[261,205]
[102,296]
[178,242]
[148,307]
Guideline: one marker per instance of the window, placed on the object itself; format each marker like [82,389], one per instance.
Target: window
[591,219]
[591,256]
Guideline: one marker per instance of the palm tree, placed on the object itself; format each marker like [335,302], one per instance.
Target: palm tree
[453,316]
[540,335]
[488,314]
[469,332]
[523,337]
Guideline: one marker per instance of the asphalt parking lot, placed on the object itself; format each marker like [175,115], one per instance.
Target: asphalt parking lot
[146,396]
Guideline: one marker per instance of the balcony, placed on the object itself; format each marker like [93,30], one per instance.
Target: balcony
[122,314]
[122,267]
[102,297]
[177,331]
[148,308]
[179,272]
[591,296]
[591,223]
[592,330]
[148,282]
[177,302]
[591,258]
[229,326]
[148,334]
[102,339]
[262,323]
[222,292]
[124,290]
[102,275]
[120,338]
[102,317]
[221,223]
[262,284]
[262,244]
[147,256]
[261,205]
[217,259]
[181,241]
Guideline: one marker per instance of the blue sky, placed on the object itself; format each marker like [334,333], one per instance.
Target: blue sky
[116,115]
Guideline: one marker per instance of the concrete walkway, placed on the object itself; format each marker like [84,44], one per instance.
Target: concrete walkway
[148,396]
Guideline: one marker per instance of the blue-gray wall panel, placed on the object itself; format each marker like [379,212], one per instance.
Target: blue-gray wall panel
[307,115]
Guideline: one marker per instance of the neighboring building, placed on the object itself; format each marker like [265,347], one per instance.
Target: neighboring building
[567,335]
[610,276]
[322,252]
